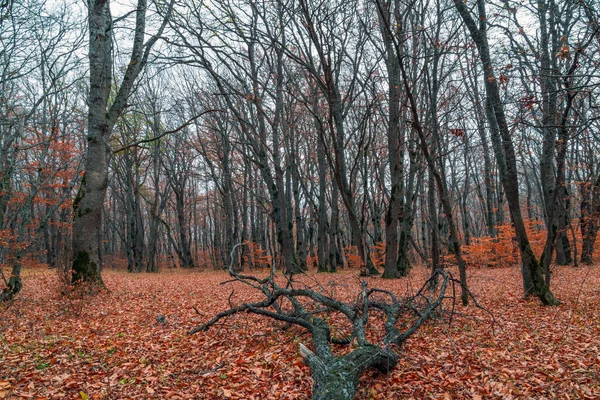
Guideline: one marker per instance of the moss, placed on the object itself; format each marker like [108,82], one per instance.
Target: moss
[336,385]
[14,287]
[337,379]
[404,265]
[83,268]
[322,268]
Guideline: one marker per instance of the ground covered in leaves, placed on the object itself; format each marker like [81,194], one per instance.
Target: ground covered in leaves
[115,345]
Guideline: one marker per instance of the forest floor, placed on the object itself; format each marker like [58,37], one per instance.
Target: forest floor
[111,345]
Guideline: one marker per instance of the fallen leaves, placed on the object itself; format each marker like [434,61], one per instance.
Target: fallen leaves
[5,387]
[111,346]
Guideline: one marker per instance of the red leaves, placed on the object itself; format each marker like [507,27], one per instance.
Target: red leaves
[527,102]
[502,250]
[564,53]
[111,346]
[503,79]
[458,132]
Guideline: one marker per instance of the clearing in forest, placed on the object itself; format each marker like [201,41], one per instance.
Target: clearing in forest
[132,342]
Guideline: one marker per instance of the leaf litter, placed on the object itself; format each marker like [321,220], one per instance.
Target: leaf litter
[132,342]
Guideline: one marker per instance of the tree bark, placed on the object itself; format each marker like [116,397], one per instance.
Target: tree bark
[393,213]
[102,116]
[590,217]
[323,256]
[336,378]
[533,277]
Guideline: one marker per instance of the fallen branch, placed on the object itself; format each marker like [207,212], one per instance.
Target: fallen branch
[336,377]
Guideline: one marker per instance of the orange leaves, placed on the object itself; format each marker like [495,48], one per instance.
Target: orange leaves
[312,261]
[5,388]
[255,256]
[6,237]
[204,258]
[564,53]
[378,254]
[502,251]
[503,79]
[111,346]
[353,258]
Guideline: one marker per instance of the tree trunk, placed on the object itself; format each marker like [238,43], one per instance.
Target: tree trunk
[408,212]
[336,378]
[563,244]
[88,204]
[394,208]
[185,252]
[335,255]
[87,222]
[158,203]
[505,155]
[14,284]
[87,207]
[590,216]
[487,167]
[323,255]
[139,244]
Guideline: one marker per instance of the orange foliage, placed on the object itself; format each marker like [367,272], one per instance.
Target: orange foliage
[32,261]
[502,250]
[205,258]
[51,162]
[255,256]
[116,261]
[312,261]
[354,259]
[579,239]
[6,237]
[378,254]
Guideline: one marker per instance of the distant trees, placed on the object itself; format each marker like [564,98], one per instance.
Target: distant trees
[370,135]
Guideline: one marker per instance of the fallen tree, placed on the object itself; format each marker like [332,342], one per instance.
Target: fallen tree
[295,303]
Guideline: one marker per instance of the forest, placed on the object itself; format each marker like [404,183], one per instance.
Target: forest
[373,199]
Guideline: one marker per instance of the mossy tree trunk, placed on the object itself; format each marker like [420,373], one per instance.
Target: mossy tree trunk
[336,378]
[14,284]
[102,116]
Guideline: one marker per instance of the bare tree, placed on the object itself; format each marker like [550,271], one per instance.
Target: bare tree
[533,276]
[102,117]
